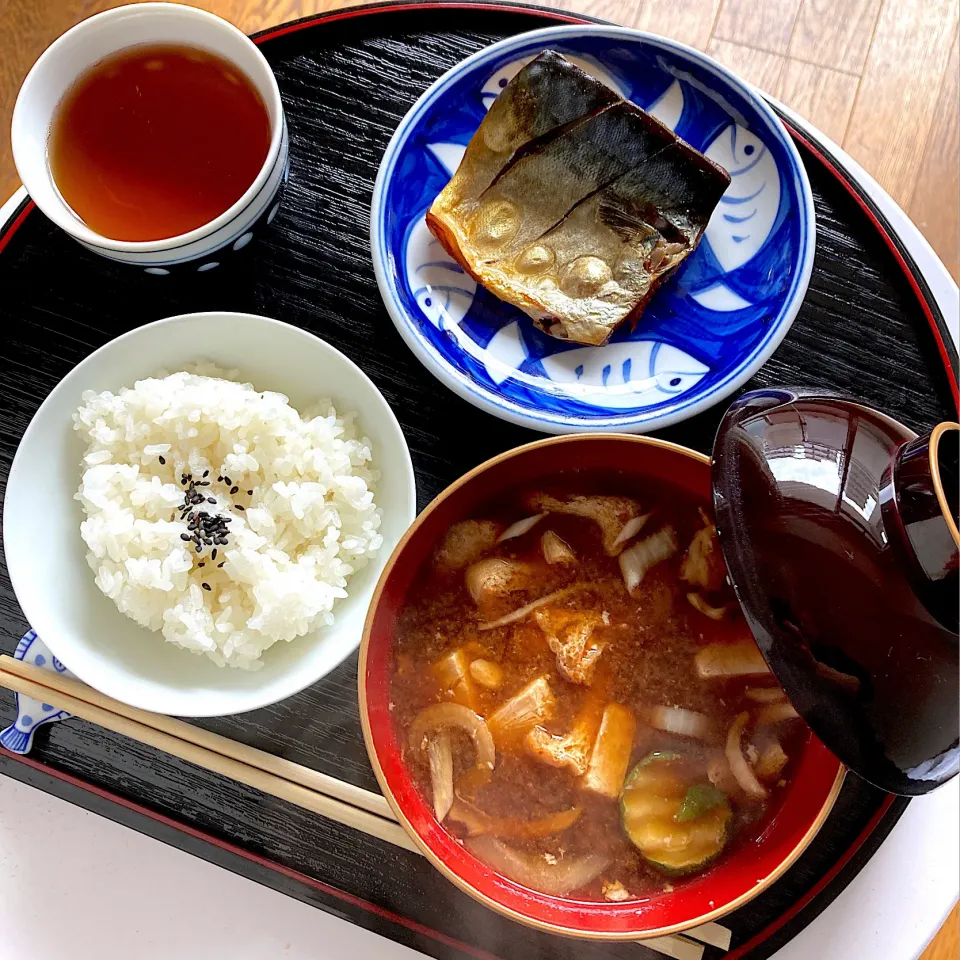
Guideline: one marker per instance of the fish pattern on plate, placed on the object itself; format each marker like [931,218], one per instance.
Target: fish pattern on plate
[705,332]
[31,714]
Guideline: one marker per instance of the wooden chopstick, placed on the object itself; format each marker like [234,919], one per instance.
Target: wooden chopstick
[678,947]
[332,798]
[713,934]
[294,772]
[252,776]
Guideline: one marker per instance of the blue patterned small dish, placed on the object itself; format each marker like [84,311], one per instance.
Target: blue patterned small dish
[706,331]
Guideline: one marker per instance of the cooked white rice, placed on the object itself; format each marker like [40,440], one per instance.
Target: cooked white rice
[309,523]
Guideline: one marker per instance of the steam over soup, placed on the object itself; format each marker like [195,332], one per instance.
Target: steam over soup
[577,694]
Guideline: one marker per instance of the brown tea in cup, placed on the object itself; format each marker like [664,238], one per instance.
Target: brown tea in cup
[157,140]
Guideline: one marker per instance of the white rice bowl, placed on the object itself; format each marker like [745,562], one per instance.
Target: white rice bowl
[293,543]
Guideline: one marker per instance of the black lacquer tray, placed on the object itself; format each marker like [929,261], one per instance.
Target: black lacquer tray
[869,328]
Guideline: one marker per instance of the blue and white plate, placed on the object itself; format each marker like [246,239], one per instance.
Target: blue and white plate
[705,332]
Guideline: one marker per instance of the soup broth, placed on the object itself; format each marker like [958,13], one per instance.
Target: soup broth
[578,696]
[156,141]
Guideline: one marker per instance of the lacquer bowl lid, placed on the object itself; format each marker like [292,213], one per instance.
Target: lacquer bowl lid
[838,526]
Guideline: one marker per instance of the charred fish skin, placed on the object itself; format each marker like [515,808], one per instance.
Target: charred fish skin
[676,193]
[579,226]
[642,226]
[546,95]
[541,188]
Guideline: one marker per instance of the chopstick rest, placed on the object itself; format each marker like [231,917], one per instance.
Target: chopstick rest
[31,714]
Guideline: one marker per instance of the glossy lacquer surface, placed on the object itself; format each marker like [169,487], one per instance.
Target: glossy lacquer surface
[805,494]
[922,508]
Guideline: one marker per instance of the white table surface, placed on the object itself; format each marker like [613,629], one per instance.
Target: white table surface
[75,886]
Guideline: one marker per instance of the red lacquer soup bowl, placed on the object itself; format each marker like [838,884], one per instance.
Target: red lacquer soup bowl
[744,871]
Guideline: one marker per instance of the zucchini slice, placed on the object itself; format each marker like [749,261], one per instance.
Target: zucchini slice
[677,826]
[699,799]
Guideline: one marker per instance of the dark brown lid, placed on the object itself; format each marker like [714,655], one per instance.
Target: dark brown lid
[838,530]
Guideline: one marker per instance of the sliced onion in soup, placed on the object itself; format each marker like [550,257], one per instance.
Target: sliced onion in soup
[631,528]
[440,758]
[556,879]
[739,766]
[642,556]
[741,659]
[684,723]
[454,716]
[521,527]
[479,823]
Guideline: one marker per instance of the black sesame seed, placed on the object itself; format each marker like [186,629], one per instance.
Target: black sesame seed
[219,479]
[208,541]
[249,493]
[201,564]
[214,555]
[241,509]
[206,473]
[206,586]
[211,500]
[183,481]
[226,479]
[221,563]
[222,541]
[199,548]
[163,462]
[234,489]
[185,536]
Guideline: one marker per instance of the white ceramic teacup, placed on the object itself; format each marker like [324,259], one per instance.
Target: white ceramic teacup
[100,36]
